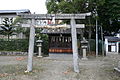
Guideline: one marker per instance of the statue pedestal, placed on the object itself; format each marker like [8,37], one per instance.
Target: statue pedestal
[84,53]
[40,56]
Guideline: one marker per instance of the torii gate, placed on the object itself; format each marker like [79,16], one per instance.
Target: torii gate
[70,17]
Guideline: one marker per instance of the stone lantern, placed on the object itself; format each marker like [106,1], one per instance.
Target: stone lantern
[39,45]
[84,45]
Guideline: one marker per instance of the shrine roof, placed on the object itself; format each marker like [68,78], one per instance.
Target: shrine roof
[59,31]
[112,38]
[15,11]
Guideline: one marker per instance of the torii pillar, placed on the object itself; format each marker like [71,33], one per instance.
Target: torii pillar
[31,47]
[74,45]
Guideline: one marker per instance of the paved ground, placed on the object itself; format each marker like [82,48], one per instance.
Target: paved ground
[101,68]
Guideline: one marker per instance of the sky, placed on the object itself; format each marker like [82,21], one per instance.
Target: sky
[37,6]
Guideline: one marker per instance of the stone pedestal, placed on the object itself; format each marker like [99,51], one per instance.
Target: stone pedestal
[39,45]
[84,54]
[39,51]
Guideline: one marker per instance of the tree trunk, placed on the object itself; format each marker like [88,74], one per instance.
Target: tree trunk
[8,37]
[89,36]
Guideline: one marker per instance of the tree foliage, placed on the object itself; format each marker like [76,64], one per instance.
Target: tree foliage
[7,27]
[108,11]
[12,26]
[109,15]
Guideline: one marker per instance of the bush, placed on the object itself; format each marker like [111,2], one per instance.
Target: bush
[14,45]
[93,46]
[45,47]
[23,45]
[45,44]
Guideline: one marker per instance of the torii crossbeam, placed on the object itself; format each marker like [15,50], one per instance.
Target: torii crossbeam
[70,17]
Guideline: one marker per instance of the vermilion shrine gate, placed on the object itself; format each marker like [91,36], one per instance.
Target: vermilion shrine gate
[71,17]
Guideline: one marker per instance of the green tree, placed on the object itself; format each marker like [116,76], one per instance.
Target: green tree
[72,6]
[108,12]
[109,16]
[16,23]
[7,27]
[12,27]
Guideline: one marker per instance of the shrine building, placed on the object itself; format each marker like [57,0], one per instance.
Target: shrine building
[60,40]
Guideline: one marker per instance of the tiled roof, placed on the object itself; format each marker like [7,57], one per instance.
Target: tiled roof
[112,38]
[15,11]
[58,31]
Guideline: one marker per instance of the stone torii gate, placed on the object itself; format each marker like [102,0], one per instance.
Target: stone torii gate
[70,17]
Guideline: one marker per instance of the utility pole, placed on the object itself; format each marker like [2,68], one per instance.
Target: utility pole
[96,15]
[102,41]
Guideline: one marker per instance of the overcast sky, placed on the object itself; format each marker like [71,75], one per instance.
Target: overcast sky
[37,6]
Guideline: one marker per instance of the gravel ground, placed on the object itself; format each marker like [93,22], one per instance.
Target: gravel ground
[101,68]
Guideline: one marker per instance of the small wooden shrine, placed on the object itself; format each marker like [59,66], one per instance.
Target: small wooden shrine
[60,40]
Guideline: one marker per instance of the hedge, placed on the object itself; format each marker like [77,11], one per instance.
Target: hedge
[93,46]
[14,45]
[22,45]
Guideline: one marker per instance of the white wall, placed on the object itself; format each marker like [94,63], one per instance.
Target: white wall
[118,35]
[106,45]
[114,47]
